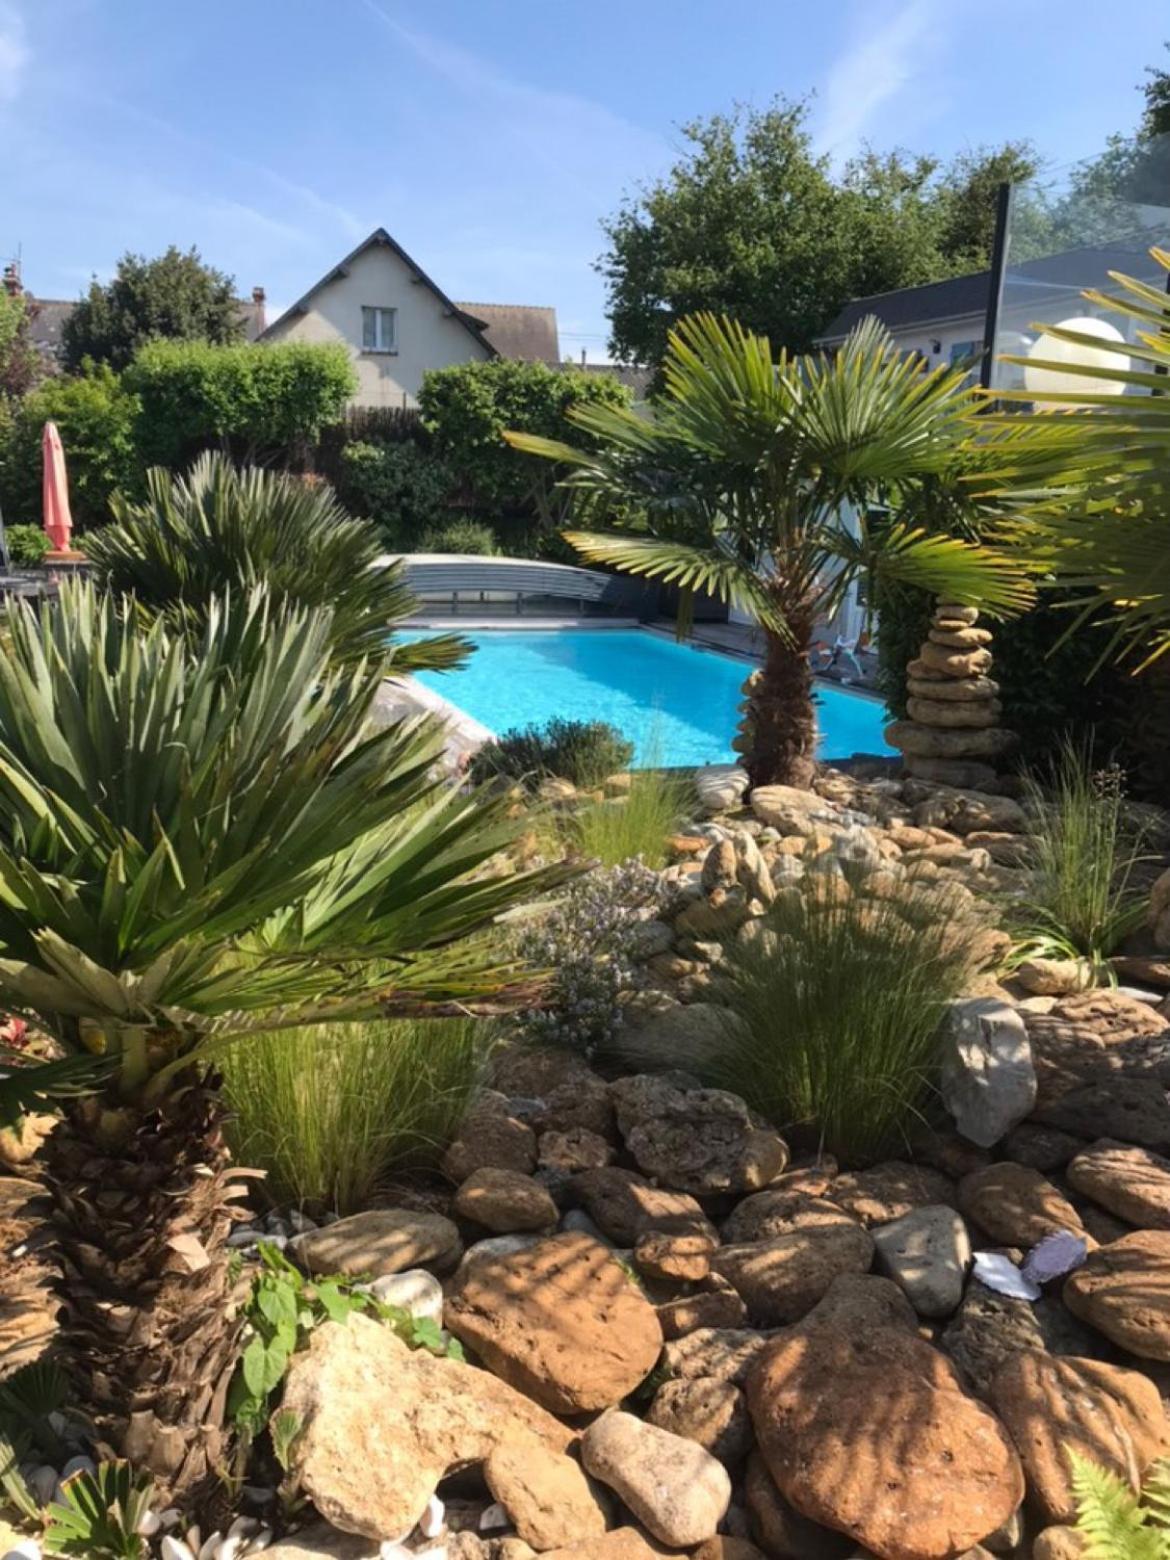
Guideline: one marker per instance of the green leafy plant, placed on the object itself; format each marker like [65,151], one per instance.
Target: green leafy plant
[1082,897]
[584,752]
[27,544]
[96,415]
[99,1514]
[283,1308]
[739,483]
[203,838]
[328,1112]
[1113,1522]
[457,536]
[834,1008]
[255,401]
[404,489]
[226,529]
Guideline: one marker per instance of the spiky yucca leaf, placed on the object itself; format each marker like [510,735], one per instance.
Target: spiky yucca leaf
[198,839]
[219,529]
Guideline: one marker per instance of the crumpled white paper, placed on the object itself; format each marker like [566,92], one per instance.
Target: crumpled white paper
[1001,1274]
[1050,1258]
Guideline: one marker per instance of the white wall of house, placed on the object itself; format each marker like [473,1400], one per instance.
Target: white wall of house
[425,335]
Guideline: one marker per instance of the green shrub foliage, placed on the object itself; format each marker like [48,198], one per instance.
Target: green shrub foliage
[468,406]
[457,536]
[403,489]
[27,544]
[96,416]
[584,752]
[256,402]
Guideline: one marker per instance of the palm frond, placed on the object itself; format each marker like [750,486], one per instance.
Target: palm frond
[960,571]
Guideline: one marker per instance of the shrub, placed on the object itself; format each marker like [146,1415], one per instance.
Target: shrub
[585,752]
[330,1111]
[254,401]
[27,544]
[468,406]
[219,530]
[584,940]
[1081,899]
[833,1011]
[634,826]
[95,414]
[457,536]
[402,488]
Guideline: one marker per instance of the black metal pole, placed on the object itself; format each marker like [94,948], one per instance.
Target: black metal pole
[1005,197]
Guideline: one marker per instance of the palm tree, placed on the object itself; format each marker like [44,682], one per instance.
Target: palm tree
[200,838]
[1101,523]
[220,528]
[739,482]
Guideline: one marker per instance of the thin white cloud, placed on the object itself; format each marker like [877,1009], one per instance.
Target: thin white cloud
[14,52]
[879,66]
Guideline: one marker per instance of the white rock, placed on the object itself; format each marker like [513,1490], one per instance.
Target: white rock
[242,1236]
[173,1548]
[231,1548]
[393,1549]
[987,1078]
[416,1292]
[149,1524]
[244,1525]
[493,1517]
[497,1246]
[430,1524]
[207,1549]
[26,1549]
[674,1487]
[260,1541]
[720,786]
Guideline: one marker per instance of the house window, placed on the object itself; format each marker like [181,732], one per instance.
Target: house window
[379,330]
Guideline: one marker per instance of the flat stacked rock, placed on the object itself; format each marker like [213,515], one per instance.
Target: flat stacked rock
[952,735]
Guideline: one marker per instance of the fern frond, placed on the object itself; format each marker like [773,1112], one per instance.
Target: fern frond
[1110,1518]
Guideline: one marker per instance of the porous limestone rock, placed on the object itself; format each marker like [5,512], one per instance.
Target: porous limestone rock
[1123,1290]
[546,1494]
[987,1079]
[674,1487]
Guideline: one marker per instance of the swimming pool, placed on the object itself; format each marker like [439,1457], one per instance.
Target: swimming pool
[676,703]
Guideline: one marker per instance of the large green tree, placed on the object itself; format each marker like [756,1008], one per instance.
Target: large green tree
[751,222]
[20,363]
[175,295]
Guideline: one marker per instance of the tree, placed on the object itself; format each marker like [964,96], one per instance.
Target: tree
[219,530]
[172,296]
[199,842]
[20,363]
[751,223]
[1133,170]
[742,479]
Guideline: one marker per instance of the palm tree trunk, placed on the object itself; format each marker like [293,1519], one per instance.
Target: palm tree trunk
[150,1317]
[782,715]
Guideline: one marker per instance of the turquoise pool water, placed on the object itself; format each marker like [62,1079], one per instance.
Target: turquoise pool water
[675,703]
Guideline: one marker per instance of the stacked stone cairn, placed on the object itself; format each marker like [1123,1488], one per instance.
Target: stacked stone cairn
[953,734]
[742,741]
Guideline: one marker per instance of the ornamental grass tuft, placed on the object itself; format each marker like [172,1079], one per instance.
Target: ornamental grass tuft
[833,1010]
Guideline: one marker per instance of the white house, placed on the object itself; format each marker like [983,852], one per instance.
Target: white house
[397,323]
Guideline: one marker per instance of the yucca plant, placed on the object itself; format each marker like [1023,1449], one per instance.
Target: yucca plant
[741,481]
[220,528]
[1101,519]
[200,839]
[1113,1522]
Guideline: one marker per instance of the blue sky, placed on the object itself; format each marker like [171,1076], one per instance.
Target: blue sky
[489,136]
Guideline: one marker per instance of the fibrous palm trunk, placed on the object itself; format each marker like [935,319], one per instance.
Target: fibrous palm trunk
[150,1319]
[782,715]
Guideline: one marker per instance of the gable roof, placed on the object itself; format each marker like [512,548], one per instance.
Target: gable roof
[379,238]
[524,331]
[962,296]
[48,315]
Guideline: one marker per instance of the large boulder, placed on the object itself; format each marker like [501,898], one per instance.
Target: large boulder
[696,1140]
[380,1241]
[780,1280]
[1123,1290]
[987,1079]
[1015,1205]
[625,1206]
[546,1494]
[561,1321]
[1133,1183]
[869,1432]
[1053,1406]
[382,1424]
[675,1488]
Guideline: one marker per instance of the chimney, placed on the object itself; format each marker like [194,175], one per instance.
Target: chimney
[582,357]
[11,279]
[258,298]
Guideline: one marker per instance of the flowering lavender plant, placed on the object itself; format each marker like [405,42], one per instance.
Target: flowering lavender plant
[585,942]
